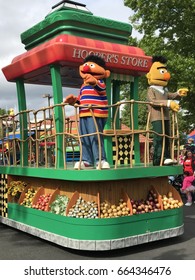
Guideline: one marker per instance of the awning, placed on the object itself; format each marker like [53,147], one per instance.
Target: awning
[191,135]
[69,51]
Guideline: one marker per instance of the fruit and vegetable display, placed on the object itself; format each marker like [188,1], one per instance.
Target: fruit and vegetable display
[16,188]
[59,205]
[42,202]
[84,209]
[153,202]
[29,195]
[169,202]
[150,204]
[108,210]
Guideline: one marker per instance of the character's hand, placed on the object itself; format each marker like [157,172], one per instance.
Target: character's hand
[70,99]
[183,91]
[90,80]
[174,106]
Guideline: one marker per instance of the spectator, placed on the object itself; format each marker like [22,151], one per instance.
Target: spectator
[181,157]
[189,163]
[190,146]
[188,187]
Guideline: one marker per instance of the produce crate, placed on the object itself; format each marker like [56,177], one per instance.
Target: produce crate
[170,197]
[19,184]
[145,200]
[58,203]
[23,194]
[168,188]
[112,205]
[42,191]
[76,196]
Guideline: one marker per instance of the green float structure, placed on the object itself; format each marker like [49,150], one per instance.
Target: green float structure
[40,155]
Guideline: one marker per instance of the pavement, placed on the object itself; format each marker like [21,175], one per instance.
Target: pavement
[17,245]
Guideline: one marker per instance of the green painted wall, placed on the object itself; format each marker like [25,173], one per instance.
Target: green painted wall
[97,229]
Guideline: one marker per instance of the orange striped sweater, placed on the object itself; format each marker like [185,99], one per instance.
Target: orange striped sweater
[96,96]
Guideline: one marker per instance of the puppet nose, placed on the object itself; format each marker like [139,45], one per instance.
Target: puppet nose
[86,68]
[167,76]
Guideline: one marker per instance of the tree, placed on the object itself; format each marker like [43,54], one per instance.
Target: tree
[167,29]
[142,108]
[2,112]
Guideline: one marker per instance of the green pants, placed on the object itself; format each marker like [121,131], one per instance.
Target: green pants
[158,141]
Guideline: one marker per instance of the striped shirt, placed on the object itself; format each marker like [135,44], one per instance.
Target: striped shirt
[95,96]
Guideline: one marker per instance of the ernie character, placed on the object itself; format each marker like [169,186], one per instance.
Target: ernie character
[92,92]
[158,94]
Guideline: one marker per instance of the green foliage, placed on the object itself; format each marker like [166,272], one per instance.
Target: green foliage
[142,107]
[167,29]
[2,112]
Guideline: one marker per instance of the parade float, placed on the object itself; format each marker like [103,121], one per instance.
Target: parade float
[41,193]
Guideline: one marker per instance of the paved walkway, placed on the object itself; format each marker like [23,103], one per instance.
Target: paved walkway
[16,245]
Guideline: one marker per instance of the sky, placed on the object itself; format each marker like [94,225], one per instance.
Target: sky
[18,16]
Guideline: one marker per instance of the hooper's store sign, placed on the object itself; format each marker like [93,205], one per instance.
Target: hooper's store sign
[114,59]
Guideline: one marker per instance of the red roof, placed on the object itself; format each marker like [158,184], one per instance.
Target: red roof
[69,51]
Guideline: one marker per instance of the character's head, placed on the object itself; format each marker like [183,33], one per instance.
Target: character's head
[188,154]
[158,74]
[190,140]
[95,66]
[11,112]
